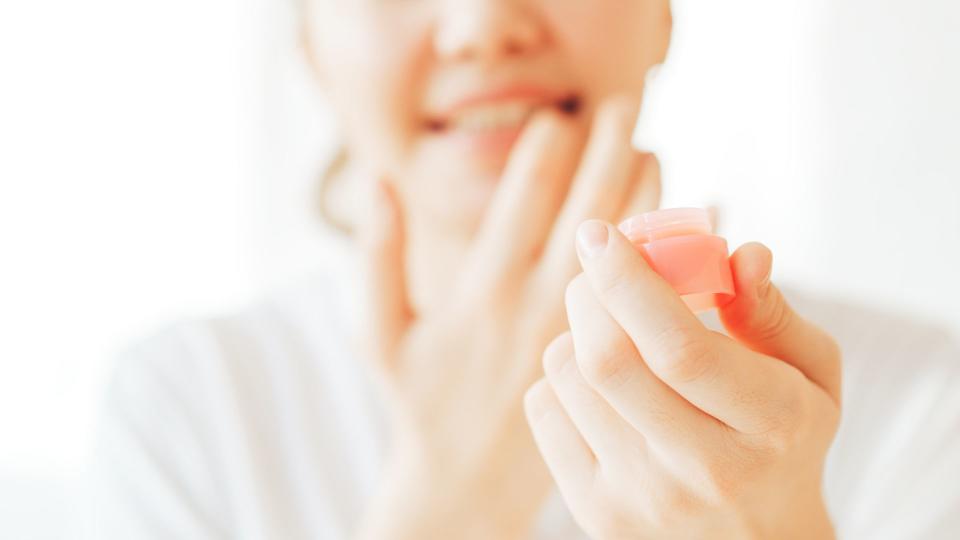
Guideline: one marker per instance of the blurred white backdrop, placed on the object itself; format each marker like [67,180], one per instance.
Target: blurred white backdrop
[157,161]
[123,148]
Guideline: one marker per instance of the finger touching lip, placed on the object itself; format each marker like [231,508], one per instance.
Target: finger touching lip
[499,108]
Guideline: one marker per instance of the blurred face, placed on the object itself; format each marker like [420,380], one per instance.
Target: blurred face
[432,94]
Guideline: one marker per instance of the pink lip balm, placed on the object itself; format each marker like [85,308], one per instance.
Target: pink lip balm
[679,244]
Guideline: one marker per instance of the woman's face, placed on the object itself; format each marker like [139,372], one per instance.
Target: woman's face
[433,93]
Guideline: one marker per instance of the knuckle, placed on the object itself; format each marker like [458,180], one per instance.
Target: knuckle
[673,506]
[777,320]
[606,367]
[682,357]
[603,360]
[723,482]
[836,358]
[658,412]
[614,280]
[834,366]
[789,423]
[834,352]
[602,519]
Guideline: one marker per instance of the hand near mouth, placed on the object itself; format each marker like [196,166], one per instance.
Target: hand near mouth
[455,373]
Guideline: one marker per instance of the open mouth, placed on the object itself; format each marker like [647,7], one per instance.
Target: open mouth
[497,116]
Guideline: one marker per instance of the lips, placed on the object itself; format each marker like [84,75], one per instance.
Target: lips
[501,111]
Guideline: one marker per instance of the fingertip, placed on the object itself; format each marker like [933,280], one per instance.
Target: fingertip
[538,400]
[593,237]
[620,234]
[550,125]
[596,238]
[649,161]
[558,352]
[620,241]
[545,154]
[751,265]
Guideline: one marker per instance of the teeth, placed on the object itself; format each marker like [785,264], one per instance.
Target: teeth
[492,117]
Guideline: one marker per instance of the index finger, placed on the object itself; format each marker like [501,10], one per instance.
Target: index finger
[743,389]
[525,204]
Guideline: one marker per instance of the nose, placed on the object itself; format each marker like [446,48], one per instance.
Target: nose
[487,30]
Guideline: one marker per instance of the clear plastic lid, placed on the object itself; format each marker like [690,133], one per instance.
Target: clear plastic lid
[658,224]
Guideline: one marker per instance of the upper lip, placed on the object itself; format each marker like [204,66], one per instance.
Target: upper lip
[532,93]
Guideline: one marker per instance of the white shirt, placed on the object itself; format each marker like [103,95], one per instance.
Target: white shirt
[260,425]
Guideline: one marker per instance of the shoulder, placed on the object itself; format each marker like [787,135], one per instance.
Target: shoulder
[194,413]
[303,322]
[203,382]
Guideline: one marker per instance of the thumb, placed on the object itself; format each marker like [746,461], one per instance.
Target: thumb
[760,318]
[385,303]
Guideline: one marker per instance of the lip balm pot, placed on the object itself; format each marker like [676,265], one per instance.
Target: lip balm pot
[679,244]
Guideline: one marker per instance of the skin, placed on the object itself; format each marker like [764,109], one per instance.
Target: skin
[384,64]
[655,427]
[645,420]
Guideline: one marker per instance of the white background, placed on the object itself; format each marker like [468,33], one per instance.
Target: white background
[157,160]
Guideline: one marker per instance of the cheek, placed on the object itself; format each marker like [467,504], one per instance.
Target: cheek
[611,43]
[373,78]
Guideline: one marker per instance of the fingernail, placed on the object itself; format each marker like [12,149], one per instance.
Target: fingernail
[592,238]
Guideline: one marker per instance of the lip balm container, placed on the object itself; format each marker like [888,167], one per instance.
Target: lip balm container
[679,244]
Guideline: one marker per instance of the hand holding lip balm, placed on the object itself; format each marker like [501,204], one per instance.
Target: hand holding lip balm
[638,370]
[679,244]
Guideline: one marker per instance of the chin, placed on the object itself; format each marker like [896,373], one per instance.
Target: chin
[458,202]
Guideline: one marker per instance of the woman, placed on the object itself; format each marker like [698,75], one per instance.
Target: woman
[510,340]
